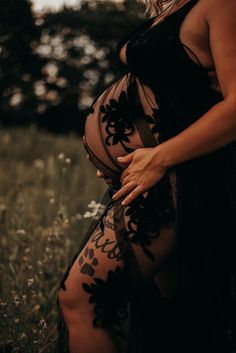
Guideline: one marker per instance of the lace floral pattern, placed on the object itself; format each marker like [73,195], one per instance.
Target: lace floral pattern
[144,220]
[110,299]
[119,125]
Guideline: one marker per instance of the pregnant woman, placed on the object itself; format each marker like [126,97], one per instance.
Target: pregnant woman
[156,271]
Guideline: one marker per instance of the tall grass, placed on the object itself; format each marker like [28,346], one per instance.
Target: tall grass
[46,185]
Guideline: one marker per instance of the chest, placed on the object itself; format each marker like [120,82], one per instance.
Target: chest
[193,36]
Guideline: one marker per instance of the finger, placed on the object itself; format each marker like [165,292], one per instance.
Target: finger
[126,159]
[124,174]
[124,190]
[100,174]
[126,179]
[132,195]
[88,157]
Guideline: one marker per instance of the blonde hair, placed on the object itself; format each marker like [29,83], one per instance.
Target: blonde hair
[156,7]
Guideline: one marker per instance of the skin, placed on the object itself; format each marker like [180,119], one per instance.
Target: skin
[209,29]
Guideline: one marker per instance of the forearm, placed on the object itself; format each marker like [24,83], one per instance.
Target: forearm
[213,130]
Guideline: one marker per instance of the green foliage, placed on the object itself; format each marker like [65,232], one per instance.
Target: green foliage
[46,188]
[53,65]
[20,66]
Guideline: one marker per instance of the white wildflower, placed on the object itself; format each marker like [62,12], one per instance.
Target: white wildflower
[52,201]
[87,214]
[39,164]
[92,204]
[96,209]
[61,156]
[30,281]
[20,232]
[16,300]
[23,336]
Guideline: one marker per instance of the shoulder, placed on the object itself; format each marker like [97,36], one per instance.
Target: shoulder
[221,20]
[218,9]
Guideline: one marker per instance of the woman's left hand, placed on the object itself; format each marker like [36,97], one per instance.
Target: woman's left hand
[145,168]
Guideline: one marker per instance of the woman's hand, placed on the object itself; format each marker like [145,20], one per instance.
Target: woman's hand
[145,168]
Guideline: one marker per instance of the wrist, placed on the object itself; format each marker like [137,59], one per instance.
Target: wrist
[163,156]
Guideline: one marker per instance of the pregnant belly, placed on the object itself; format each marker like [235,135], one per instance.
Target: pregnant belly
[121,120]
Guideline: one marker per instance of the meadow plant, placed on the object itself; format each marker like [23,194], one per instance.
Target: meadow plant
[42,221]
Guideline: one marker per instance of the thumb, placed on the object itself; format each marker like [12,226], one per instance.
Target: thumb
[126,159]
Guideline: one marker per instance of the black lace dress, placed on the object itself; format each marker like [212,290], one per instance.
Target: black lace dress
[169,283]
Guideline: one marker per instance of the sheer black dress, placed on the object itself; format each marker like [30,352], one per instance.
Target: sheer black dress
[167,282]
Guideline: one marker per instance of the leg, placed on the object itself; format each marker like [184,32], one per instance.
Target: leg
[78,313]
[94,293]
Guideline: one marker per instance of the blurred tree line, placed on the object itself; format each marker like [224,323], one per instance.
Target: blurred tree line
[52,65]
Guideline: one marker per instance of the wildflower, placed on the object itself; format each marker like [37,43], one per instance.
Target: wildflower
[52,201]
[96,209]
[27,250]
[20,232]
[23,336]
[17,320]
[92,204]
[30,281]
[16,300]
[39,263]
[96,206]
[3,304]
[68,161]
[30,267]
[39,164]
[43,323]
[61,156]
[78,216]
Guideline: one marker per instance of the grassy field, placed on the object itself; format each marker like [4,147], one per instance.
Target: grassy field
[46,189]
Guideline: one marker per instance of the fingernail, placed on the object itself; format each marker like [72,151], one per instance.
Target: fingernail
[119,158]
[123,203]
